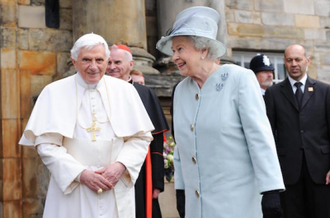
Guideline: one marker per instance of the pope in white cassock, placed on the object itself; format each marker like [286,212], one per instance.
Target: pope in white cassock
[92,132]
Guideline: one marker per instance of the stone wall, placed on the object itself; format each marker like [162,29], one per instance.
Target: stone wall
[274,24]
[43,54]
[32,56]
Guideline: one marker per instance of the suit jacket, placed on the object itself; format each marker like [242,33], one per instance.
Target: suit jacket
[305,131]
[225,154]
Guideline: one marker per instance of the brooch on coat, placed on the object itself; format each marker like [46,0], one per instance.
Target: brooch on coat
[219,86]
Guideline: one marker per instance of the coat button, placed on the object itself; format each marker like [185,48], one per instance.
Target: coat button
[197,193]
[192,127]
[197,96]
[194,160]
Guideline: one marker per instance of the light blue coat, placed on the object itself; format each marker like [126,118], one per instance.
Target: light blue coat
[225,154]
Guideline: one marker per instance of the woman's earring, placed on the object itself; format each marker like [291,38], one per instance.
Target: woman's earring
[202,57]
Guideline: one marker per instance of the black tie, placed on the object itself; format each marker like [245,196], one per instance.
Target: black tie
[299,93]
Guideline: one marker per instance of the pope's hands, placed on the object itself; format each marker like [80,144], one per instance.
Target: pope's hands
[105,178]
[95,181]
[113,172]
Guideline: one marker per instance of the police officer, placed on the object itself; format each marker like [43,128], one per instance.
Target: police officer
[264,70]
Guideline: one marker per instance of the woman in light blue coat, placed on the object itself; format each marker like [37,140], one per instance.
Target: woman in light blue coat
[225,159]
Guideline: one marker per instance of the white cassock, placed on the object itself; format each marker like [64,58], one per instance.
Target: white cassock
[63,138]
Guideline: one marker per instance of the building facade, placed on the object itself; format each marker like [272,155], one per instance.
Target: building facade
[35,43]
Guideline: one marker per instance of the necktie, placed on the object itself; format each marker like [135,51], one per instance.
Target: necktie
[299,93]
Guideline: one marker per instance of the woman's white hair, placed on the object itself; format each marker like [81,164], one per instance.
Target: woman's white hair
[88,41]
[201,43]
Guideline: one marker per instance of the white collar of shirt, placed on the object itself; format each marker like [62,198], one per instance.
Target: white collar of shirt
[303,81]
[85,85]
[262,91]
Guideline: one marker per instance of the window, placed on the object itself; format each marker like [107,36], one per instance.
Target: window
[243,59]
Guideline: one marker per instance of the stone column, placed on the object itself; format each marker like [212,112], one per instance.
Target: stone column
[118,21]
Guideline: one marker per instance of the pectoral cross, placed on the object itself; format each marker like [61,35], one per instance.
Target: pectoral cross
[93,128]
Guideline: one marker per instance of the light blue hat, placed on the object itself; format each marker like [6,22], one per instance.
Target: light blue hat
[194,21]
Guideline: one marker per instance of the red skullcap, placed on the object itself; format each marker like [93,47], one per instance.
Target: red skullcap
[124,47]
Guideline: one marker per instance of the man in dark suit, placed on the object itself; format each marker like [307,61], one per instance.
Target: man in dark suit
[300,118]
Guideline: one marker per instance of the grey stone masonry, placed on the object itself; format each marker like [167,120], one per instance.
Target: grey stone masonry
[323,73]
[8,12]
[325,22]
[65,19]
[7,40]
[322,8]
[328,35]
[325,59]
[31,16]
[241,4]
[256,43]
[324,47]
[65,4]
[269,5]
[50,40]
[278,19]
[247,17]
[62,62]
[23,38]
[315,34]
[299,6]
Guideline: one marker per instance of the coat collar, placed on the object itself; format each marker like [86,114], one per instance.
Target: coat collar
[287,91]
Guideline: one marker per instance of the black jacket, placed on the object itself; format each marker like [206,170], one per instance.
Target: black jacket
[305,131]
